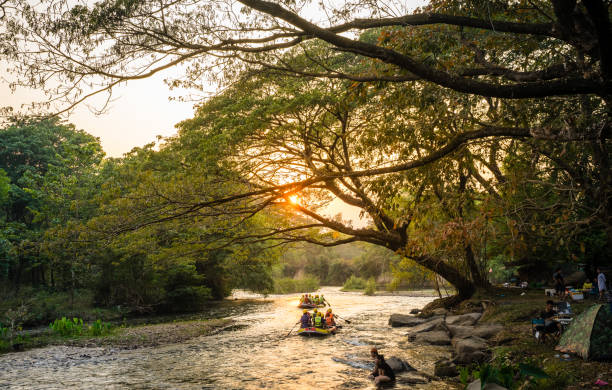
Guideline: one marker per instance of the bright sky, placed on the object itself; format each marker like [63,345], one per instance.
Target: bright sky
[141,111]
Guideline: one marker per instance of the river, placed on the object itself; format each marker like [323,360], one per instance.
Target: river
[254,356]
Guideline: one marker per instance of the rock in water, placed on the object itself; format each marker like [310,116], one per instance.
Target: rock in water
[415,311]
[397,320]
[398,365]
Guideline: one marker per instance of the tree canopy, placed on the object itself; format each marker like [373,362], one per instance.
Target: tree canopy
[463,129]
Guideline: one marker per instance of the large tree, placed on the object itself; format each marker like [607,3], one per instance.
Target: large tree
[531,69]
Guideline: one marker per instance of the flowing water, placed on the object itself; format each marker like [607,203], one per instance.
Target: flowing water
[255,356]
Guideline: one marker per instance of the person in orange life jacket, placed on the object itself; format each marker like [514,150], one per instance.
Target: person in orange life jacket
[329,318]
[305,320]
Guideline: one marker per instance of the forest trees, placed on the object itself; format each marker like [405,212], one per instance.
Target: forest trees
[507,103]
[61,206]
[46,164]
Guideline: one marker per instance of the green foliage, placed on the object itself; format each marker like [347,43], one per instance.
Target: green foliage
[464,374]
[99,328]
[510,376]
[410,274]
[370,288]
[4,331]
[306,284]
[4,187]
[354,283]
[67,327]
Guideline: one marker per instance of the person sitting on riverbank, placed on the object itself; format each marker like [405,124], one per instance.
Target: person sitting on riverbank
[550,326]
[382,371]
[305,320]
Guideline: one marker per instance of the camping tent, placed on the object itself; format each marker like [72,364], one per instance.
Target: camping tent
[590,334]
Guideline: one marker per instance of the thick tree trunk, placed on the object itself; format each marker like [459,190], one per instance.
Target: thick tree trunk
[465,287]
[477,277]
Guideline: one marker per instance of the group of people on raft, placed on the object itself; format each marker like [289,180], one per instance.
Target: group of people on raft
[318,319]
[313,299]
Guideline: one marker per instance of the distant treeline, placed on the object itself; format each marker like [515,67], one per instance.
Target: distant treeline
[333,266]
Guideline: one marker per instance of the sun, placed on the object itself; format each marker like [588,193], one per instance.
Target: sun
[294,199]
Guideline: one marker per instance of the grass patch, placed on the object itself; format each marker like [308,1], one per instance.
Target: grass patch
[44,306]
[124,337]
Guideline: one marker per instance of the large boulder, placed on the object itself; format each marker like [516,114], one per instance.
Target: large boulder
[483,331]
[469,350]
[397,320]
[463,319]
[398,365]
[445,368]
[436,337]
[434,323]
[469,344]
[471,357]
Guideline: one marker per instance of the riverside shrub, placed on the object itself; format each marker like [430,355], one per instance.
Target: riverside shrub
[354,283]
[370,288]
[99,328]
[67,327]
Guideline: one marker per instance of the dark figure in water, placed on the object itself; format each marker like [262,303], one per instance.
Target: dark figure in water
[382,371]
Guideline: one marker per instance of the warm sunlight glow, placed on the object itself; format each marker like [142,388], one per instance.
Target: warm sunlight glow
[294,199]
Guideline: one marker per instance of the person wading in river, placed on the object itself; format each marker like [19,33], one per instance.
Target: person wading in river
[382,371]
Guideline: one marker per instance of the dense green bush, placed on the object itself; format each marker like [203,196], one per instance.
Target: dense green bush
[354,283]
[290,285]
[99,328]
[370,288]
[67,327]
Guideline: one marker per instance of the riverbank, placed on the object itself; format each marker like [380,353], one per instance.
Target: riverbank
[126,337]
[514,344]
